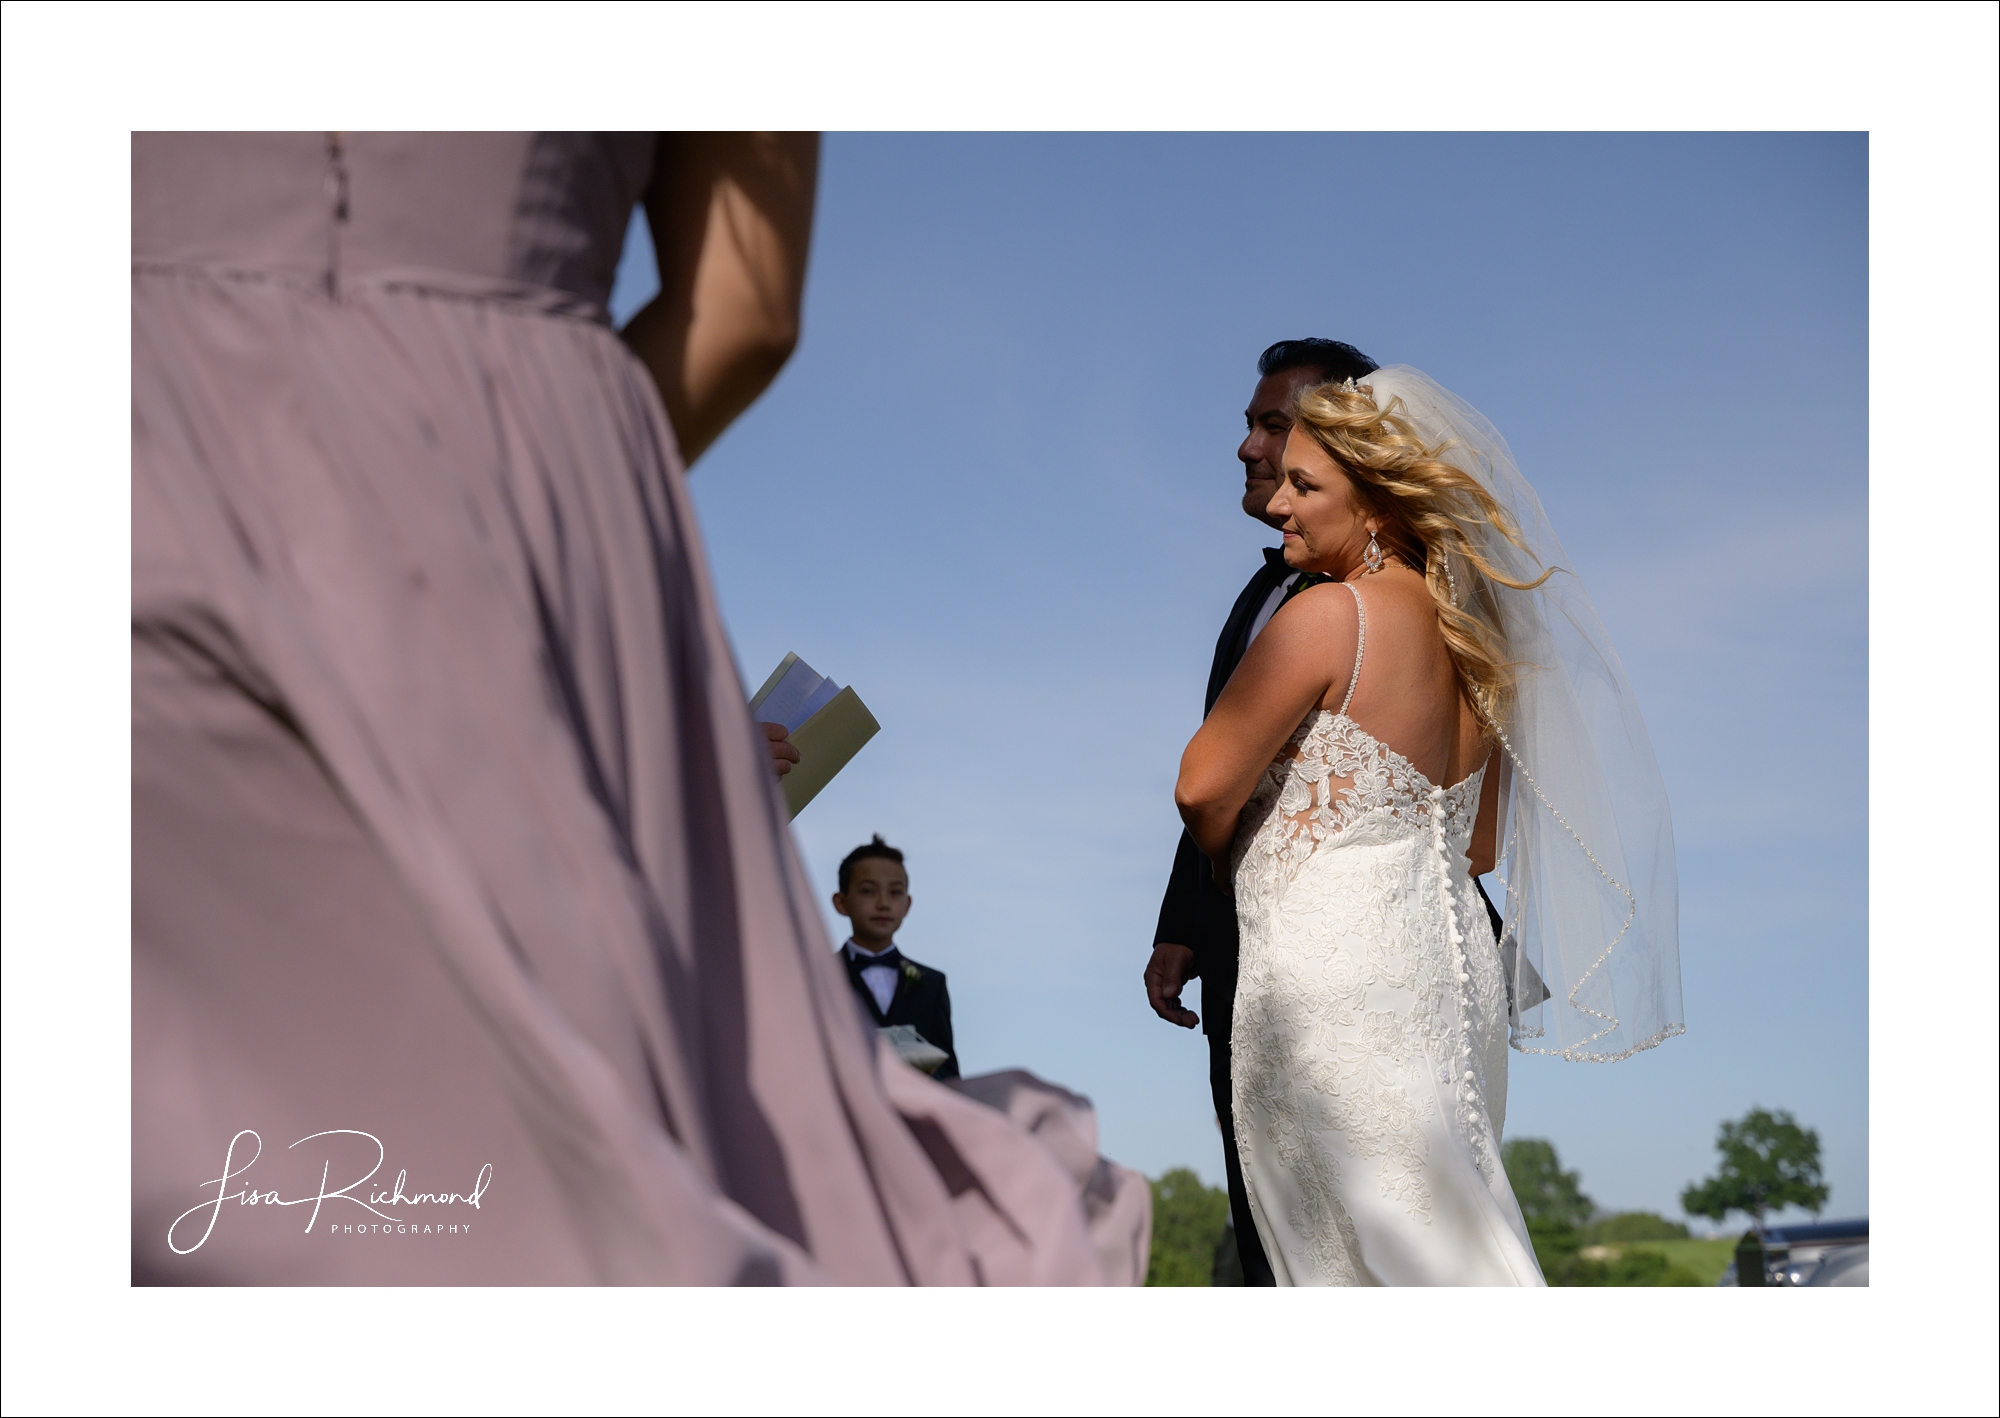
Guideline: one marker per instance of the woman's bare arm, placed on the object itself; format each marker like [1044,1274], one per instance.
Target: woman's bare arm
[731,216]
[1287,671]
[1484,852]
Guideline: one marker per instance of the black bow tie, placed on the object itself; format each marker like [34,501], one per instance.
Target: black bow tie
[864,961]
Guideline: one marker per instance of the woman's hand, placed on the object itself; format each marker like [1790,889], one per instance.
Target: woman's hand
[783,755]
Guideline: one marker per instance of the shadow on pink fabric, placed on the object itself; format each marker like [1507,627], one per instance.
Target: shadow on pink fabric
[1117,1201]
[469,941]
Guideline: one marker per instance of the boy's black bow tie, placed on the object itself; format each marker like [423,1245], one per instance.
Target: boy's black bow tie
[864,961]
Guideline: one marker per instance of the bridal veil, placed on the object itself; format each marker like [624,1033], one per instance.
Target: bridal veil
[1586,845]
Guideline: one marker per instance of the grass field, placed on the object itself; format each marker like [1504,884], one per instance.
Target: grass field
[1705,1259]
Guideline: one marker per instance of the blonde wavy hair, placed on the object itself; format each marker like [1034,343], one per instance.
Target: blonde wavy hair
[1431,511]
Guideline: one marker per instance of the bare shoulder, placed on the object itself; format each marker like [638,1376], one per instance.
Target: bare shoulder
[1308,644]
[1398,600]
[1397,585]
[1317,609]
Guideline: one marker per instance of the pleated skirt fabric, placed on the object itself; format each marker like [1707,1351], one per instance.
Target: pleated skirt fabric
[456,855]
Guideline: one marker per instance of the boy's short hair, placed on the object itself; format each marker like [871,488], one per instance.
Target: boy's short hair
[873,847]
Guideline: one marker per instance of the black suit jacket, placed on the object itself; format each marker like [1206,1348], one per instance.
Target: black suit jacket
[921,999]
[1194,913]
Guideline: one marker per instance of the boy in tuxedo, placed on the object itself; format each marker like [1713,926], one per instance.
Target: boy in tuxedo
[874,895]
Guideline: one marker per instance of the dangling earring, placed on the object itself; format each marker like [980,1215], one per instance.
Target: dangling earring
[1372,558]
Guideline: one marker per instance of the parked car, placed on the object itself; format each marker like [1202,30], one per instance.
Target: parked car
[1819,1255]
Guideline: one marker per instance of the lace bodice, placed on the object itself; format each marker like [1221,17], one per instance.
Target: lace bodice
[1303,785]
[1333,777]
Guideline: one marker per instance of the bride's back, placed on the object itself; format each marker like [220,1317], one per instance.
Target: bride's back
[1408,695]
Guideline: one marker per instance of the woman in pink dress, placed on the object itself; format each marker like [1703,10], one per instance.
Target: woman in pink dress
[469,940]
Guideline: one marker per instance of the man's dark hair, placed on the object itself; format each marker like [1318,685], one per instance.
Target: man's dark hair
[873,847]
[1331,359]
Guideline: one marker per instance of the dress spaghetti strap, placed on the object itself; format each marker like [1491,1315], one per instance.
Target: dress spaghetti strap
[1360,644]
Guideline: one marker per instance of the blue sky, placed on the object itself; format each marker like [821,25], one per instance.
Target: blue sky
[995,491]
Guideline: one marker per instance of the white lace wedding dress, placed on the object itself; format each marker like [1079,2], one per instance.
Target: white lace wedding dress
[1370,1032]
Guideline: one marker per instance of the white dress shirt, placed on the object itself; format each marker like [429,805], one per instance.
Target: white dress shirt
[1271,604]
[880,979]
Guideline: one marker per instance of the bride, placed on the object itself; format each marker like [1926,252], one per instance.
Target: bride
[1437,698]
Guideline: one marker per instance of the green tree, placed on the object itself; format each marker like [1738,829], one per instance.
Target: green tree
[1555,1208]
[1550,1197]
[1552,1203]
[1768,1162]
[1187,1225]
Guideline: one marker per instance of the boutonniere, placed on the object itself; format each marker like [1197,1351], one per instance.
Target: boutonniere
[911,972]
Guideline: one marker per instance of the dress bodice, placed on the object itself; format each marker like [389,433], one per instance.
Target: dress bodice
[1384,795]
[475,212]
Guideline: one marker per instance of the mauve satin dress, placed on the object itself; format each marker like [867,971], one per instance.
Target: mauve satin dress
[454,852]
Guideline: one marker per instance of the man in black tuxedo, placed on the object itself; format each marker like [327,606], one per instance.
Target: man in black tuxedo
[875,896]
[1197,929]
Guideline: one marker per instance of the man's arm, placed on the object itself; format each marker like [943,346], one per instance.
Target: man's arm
[1173,961]
[1167,974]
[1181,923]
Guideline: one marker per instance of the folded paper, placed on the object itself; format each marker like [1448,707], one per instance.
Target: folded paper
[913,1048]
[827,724]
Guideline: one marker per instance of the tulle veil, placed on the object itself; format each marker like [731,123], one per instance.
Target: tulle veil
[1591,896]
